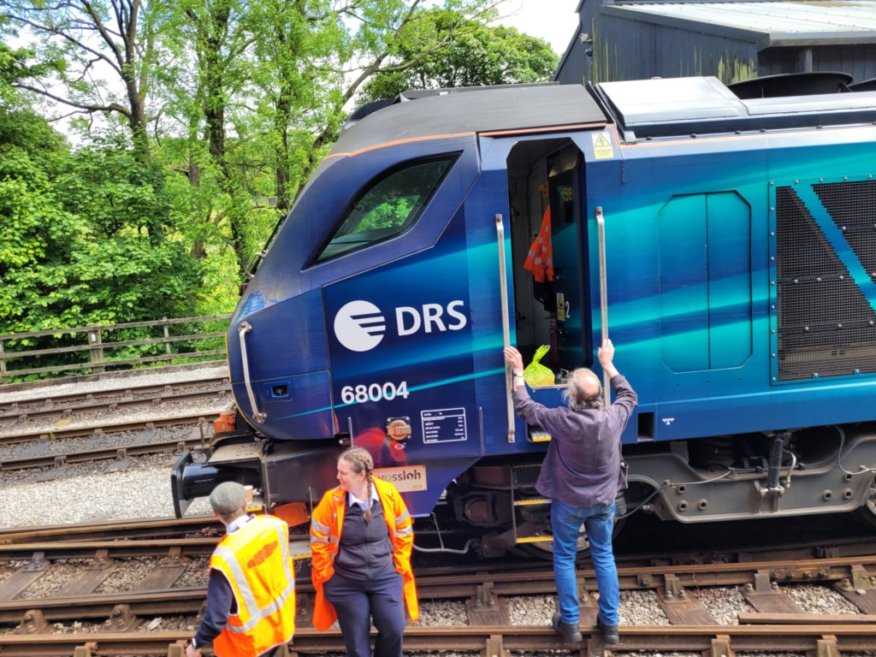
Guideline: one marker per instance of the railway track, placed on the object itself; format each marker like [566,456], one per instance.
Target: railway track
[113,531]
[197,438]
[818,637]
[130,391]
[121,615]
[153,406]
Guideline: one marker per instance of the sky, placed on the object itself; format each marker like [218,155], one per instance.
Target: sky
[552,20]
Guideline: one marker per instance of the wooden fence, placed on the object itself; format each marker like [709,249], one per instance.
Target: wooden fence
[94,349]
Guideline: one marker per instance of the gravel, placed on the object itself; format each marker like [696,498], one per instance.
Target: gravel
[820,600]
[724,603]
[50,390]
[91,493]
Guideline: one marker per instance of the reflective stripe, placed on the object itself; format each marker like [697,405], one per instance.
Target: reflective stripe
[259,613]
[404,517]
[318,526]
[317,539]
[267,611]
[404,532]
[239,578]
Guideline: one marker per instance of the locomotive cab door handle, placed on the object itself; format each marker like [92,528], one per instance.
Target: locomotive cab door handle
[506,327]
[242,330]
[603,297]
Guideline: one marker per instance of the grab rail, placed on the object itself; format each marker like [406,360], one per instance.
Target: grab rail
[603,297]
[242,330]
[506,327]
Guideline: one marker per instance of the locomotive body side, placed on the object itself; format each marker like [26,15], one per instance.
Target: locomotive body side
[378,315]
[738,292]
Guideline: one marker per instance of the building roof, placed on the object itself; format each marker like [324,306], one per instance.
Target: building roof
[768,24]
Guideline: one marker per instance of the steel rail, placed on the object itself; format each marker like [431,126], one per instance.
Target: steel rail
[102,454]
[93,412]
[114,530]
[470,584]
[44,400]
[112,375]
[495,640]
[92,428]
[129,404]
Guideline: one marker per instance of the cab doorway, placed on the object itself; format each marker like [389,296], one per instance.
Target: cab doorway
[549,250]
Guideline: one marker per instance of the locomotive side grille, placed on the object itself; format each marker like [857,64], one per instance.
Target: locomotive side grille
[826,326]
[852,205]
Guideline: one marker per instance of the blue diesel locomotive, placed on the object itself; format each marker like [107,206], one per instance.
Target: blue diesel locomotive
[728,244]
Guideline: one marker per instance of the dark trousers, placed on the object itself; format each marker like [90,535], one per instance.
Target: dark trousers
[357,602]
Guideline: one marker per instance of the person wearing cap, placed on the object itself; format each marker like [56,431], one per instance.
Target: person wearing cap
[581,475]
[361,538]
[251,586]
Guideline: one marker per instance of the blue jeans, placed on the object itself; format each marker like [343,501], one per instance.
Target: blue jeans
[566,520]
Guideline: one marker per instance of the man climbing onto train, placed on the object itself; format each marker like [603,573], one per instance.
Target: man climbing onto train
[581,475]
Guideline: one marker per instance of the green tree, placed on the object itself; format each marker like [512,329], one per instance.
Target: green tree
[132,263]
[87,237]
[102,52]
[448,49]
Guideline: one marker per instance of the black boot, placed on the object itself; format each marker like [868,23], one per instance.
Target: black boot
[568,632]
[609,633]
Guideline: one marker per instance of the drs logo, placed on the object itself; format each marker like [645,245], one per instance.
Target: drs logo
[360,325]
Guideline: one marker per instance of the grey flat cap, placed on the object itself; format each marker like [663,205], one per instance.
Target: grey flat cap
[228,497]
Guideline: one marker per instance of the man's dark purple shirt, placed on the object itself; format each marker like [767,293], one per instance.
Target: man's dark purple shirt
[582,465]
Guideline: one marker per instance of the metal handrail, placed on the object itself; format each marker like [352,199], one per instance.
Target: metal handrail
[603,297]
[506,327]
[242,330]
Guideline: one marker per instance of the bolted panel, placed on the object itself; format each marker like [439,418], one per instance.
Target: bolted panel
[826,324]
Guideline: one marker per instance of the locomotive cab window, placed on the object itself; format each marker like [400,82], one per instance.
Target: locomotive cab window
[389,206]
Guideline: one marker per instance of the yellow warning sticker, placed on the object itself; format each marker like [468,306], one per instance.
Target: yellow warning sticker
[602,148]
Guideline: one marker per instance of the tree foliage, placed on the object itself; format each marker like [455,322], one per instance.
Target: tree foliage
[446,49]
[197,122]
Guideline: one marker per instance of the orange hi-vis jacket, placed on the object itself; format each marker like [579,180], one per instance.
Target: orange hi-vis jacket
[256,562]
[325,535]
[540,259]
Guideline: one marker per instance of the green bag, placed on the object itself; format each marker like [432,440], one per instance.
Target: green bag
[537,374]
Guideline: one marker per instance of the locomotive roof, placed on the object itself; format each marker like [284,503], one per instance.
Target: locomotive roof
[703,105]
[417,115]
[659,107]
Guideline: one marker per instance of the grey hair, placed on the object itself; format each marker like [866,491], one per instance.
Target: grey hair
[228,498]
[575,395]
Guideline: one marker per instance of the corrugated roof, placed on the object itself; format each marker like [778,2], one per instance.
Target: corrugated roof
[768,23]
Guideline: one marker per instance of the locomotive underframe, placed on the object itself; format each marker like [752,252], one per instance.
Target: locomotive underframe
[819,470]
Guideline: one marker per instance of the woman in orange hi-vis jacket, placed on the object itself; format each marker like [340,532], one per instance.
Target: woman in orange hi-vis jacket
[361,538]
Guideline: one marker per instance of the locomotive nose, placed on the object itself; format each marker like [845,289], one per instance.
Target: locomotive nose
[278,361]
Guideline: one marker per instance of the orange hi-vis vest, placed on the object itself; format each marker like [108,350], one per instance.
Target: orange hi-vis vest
[540,259]
[256,562]
[326,524]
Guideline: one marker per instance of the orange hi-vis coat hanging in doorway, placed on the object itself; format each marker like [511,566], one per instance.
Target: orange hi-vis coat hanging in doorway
[540,260]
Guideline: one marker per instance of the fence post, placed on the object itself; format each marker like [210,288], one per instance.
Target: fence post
[166,336]
[2,364]
[95,340]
